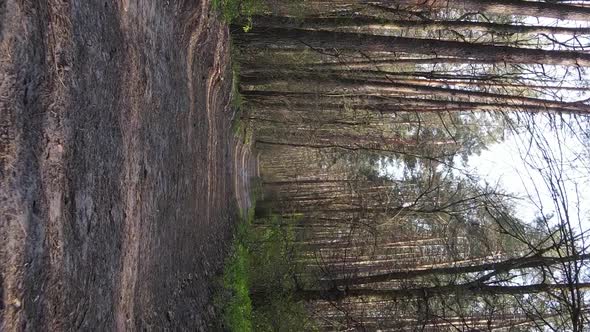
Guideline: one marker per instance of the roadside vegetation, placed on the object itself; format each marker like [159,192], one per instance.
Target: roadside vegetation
[235,298]
[259,283]
[242,10]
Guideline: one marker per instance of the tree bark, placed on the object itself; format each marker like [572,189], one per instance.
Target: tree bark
[386,105]
[511,264]
[474,289]
[393,88]
[504,7]
[319,40]
[371,23]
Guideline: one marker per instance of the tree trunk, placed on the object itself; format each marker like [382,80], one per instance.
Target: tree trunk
[390,104]
[318,40]
[504,7]
[511,264]
[371,23]
[419,78]
[473,289]
[393,88]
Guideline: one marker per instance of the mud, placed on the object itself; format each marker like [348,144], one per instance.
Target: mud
[117,164]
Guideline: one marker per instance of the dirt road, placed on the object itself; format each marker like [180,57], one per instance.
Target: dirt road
[117,163]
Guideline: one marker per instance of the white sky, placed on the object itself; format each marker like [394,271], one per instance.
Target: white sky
[518,167]
[519,170]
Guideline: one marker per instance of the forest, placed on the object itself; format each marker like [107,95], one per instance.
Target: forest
[295,165]
[423,165]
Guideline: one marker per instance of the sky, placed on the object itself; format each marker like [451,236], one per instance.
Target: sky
[520,168]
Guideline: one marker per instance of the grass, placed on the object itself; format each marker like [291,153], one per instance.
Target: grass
[275,277]
[237,306]
[234,300]
[262,262]
[242,10]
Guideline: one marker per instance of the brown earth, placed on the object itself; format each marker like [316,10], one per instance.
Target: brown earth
[117,164]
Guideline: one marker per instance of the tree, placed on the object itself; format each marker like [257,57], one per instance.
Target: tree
[506,7]
[298,38]
[365,113]
[373,23]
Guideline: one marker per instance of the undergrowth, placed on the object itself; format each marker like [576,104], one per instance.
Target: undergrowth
[241,127]
[242,10]
[235,299]
[260,277]
[239,12]
[274,276]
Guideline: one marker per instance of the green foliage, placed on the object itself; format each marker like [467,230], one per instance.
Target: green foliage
[282,314]
[274,277]
[236,303]
[243,10]
[240,127]
[259,279]
[273,267]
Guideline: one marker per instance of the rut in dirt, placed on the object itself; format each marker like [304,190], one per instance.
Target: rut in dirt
[117,164]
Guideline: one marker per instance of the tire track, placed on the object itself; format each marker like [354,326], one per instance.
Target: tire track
[211,101]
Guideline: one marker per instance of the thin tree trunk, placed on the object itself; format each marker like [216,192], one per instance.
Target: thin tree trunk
[505,7]
[352,86]
[474,289]
[389,104]
[511,264]
[372,64]
[421,78]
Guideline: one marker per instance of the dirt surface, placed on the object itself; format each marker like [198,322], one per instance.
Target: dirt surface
[245,169]
[117,164]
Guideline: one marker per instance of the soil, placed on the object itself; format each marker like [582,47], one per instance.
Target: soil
[118,164]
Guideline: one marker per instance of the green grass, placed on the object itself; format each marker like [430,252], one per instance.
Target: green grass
[234,299]
[262,261]
[239,10]
[274,276]
[237,306]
